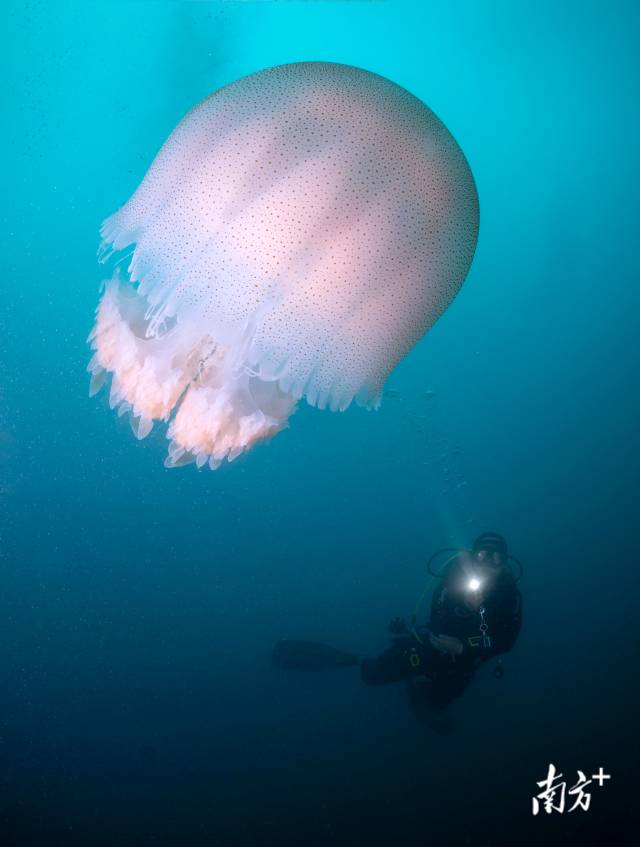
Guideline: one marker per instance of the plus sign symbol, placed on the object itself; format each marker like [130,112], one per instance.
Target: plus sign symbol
[600,777]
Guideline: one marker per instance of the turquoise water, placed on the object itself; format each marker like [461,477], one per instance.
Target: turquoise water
[139,605]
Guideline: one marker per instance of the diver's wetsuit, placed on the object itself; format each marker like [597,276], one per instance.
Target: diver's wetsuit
[439,676]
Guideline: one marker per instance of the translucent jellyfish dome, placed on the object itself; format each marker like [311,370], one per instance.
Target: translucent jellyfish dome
[299,231]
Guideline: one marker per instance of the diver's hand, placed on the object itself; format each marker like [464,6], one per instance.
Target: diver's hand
[397,626]
[447,644]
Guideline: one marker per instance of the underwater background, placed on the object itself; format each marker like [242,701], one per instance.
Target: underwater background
[139,606]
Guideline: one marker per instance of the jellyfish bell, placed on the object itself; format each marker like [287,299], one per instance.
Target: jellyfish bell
[299,231]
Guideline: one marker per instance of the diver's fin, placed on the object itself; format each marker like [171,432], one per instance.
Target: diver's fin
[310,656]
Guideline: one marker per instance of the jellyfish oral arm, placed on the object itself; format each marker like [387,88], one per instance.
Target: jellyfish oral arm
[216,405]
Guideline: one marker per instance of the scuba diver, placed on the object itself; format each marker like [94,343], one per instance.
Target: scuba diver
[476,614]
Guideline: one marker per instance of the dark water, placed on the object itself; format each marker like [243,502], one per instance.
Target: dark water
[139,606]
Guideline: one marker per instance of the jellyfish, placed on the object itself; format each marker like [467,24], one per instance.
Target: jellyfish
[298,232]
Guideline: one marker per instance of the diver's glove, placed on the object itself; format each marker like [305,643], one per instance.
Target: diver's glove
[398,626]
